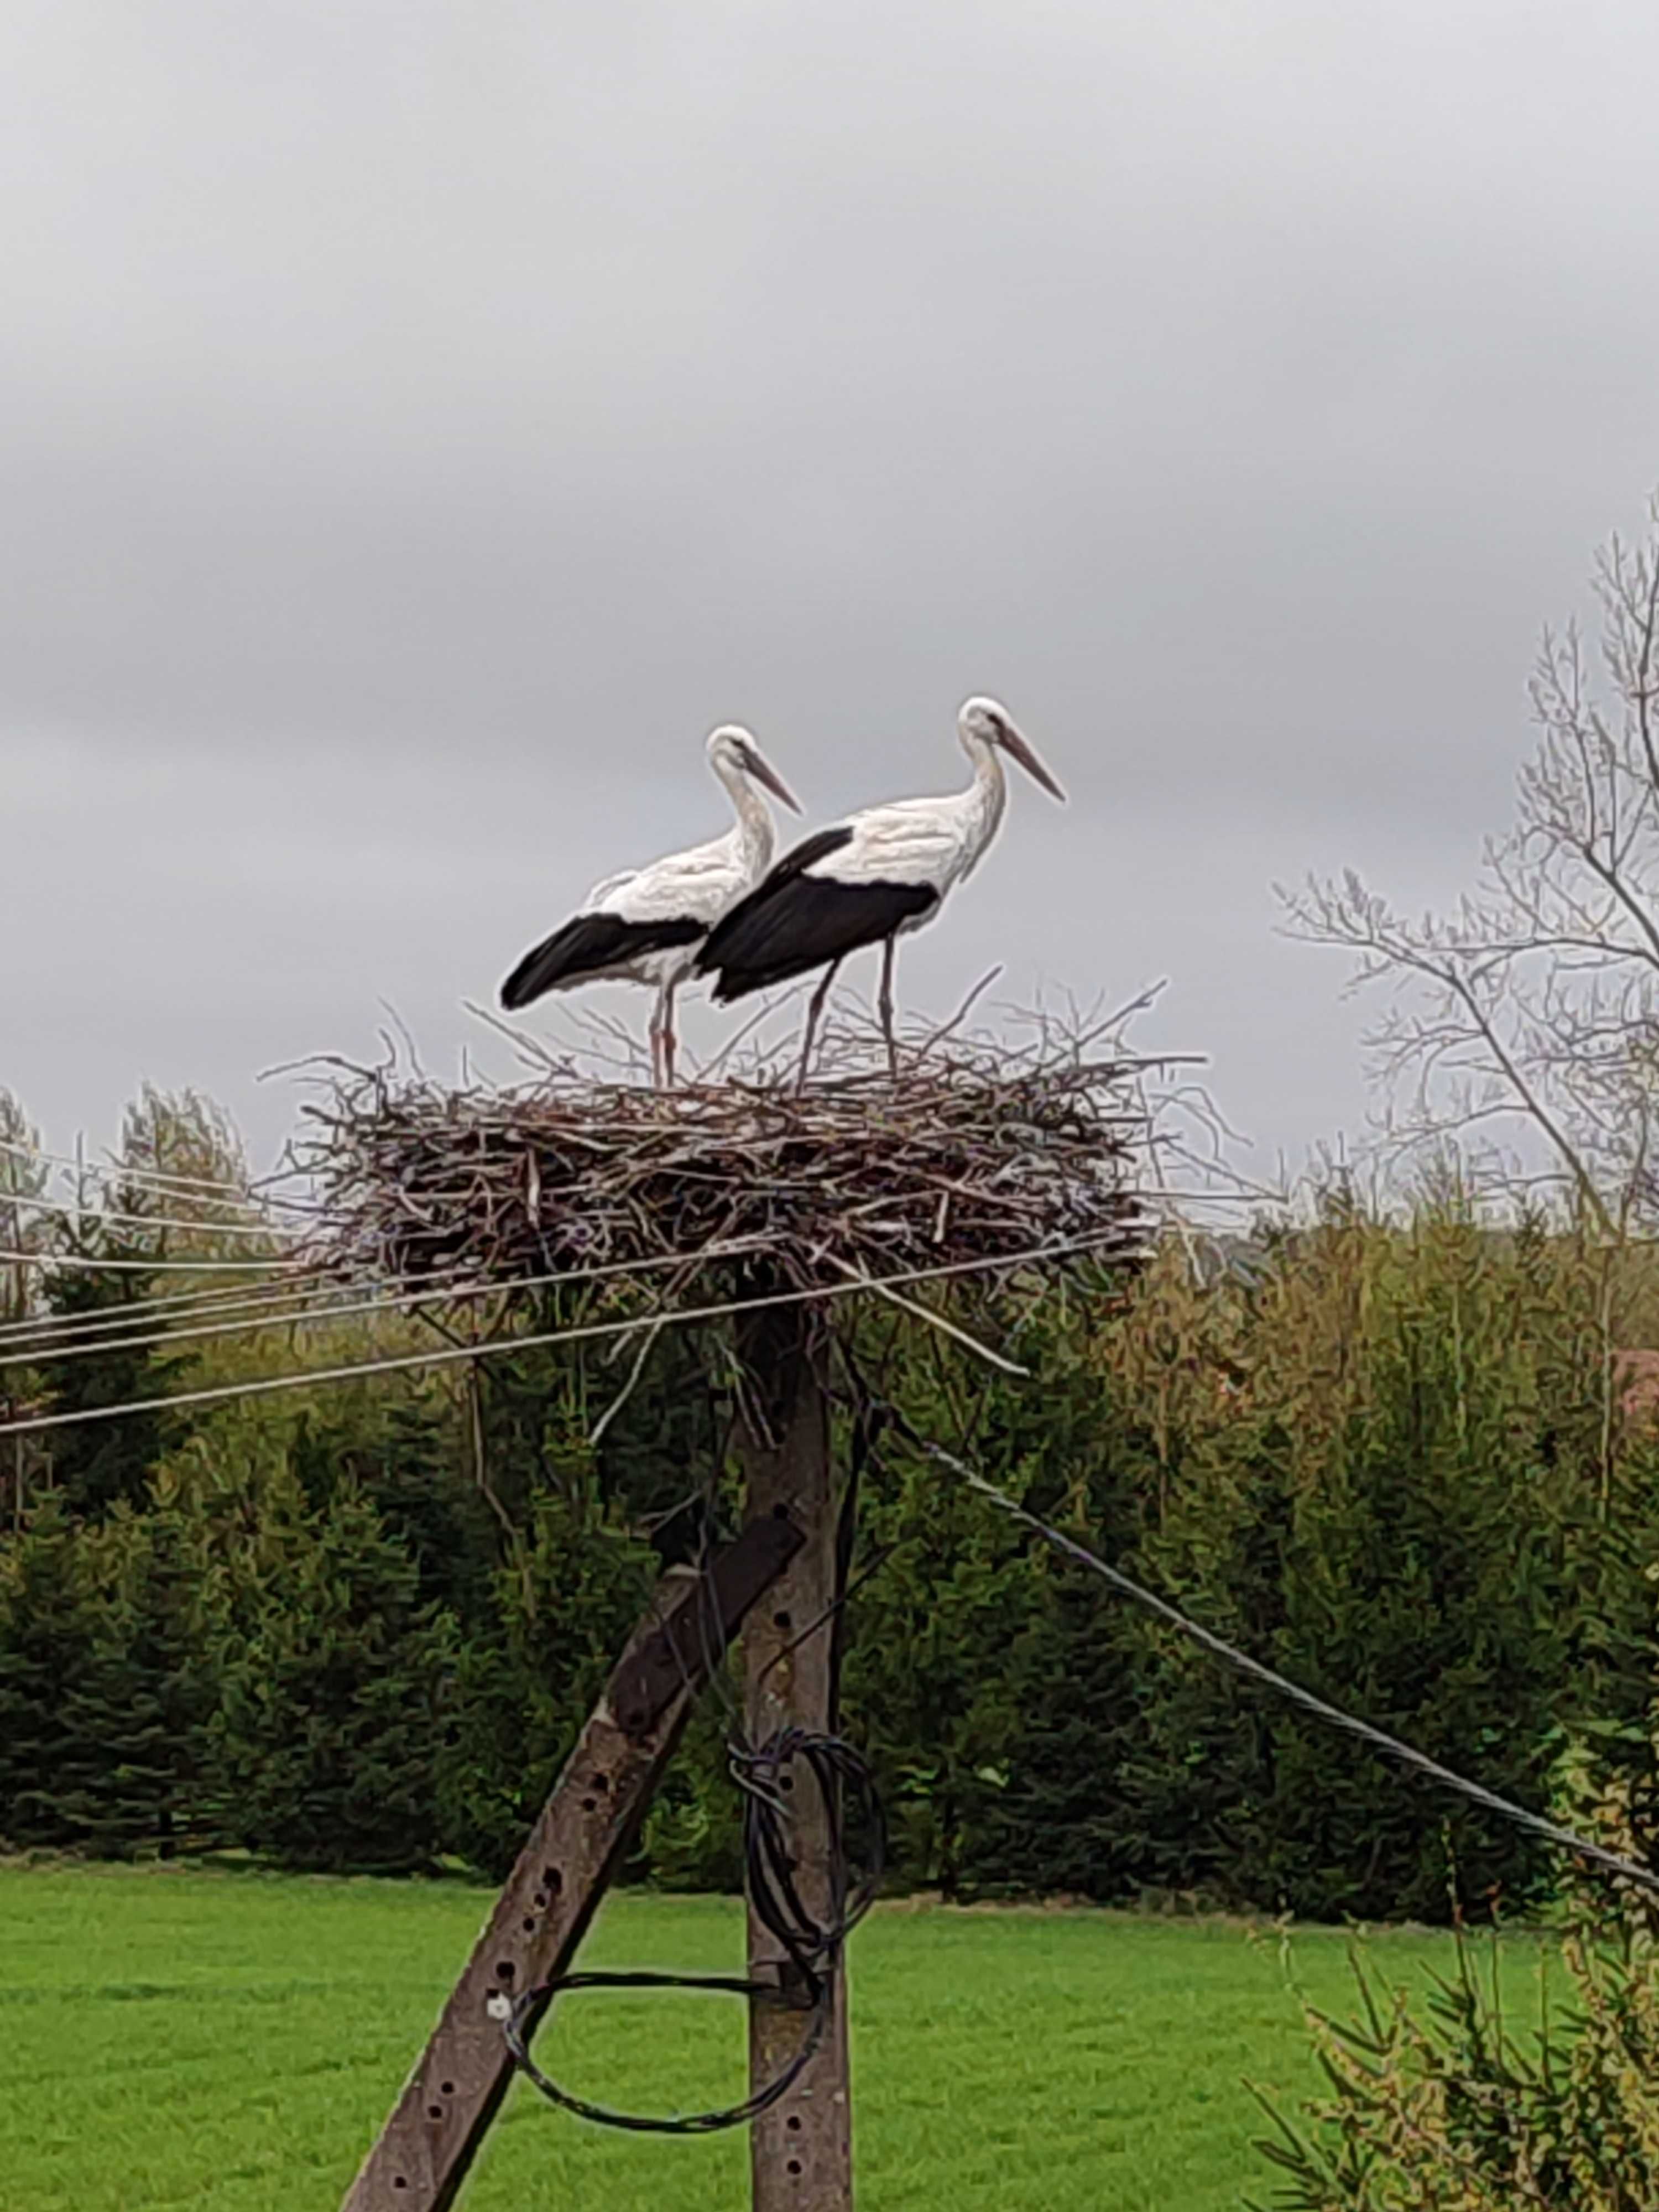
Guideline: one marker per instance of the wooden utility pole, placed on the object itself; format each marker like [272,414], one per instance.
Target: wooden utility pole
[801,2150]
[425,2149]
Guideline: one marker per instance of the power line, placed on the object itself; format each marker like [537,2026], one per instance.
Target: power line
[73,1260]
[150,1221]
[162,1312]
[160,1177]
[1218,1648]
[585,1332]
[191,1305]
[303,1315]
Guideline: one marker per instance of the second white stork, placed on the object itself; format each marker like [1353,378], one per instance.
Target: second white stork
[870,879]
[646,925]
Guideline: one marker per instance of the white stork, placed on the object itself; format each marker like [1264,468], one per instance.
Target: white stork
[646,925]
[869,880]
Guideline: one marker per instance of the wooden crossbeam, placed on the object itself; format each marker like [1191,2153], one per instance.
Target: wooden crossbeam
[423,2153]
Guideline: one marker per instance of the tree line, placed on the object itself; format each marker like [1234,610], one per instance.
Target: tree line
[358,1627]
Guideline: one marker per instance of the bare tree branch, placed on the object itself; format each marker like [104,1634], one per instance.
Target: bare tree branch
[1536,1000]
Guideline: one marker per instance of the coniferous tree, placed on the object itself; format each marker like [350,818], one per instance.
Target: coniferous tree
[564,1604]
[334,1680]
[408,1461]
[1423,1589]
[48,1655]
[98,1464]
[143,1704]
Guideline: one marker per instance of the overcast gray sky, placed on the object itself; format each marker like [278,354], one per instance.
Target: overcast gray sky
[419,423]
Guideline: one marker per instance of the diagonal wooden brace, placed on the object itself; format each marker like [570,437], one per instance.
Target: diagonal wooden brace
[426,2147]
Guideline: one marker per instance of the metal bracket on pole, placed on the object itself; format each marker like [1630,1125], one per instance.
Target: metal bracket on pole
[423,2153]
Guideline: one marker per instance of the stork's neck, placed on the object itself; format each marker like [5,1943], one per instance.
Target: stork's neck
[983,801]
[756,833]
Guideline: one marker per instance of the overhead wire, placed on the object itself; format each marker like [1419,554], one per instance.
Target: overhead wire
[451,1294]
[266,1301]
[78,1210]
[214,1299]
[161,1178]
[80,1263]
[158,1313]
[1379,1739]
[264,1386]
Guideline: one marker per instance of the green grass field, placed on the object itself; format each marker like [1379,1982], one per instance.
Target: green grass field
[231,2041]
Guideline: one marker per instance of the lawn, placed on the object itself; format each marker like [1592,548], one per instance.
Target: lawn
[230,2041]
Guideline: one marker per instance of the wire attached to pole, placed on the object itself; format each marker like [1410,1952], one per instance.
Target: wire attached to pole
[765,1773]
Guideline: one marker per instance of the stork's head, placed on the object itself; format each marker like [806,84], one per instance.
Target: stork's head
[984,722]
[732,751]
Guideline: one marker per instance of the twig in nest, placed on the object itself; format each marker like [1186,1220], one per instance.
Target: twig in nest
[967,1157]
[935,1320]
[653,1330]
[949,1028]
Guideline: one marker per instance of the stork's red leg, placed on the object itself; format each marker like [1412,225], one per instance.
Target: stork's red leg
[889,947]
[662,1039]
[812,1013]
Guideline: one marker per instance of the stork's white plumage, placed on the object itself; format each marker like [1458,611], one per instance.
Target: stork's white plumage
[647,925]
[870,879]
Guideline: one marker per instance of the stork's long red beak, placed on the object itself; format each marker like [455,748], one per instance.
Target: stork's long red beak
[765,774]
[1014,745]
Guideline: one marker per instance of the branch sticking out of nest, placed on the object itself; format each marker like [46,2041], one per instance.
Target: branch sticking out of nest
[973,1154]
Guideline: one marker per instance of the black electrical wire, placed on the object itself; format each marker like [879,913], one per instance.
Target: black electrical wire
[1377,1739]
[765,1773]
[522,2020]
[766,1778]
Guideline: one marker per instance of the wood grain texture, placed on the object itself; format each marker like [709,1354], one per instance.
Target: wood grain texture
[802,2149]
[426,2145]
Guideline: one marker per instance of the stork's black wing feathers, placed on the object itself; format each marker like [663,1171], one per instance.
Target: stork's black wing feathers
[589,944]
[791,922]
[734,924]
[818,847]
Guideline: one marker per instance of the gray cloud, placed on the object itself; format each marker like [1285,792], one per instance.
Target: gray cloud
[418,424]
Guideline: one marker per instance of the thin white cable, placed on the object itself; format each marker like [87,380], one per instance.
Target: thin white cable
[76,1261]
[151,1221]
[588,1332]
[299,1318]
[118,1170]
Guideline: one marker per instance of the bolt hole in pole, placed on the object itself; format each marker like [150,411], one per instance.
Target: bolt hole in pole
[429,2142]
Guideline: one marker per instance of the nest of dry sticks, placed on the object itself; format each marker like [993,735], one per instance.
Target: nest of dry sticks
[972,1158]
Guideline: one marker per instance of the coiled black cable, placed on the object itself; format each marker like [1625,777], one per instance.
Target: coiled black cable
[765,1773]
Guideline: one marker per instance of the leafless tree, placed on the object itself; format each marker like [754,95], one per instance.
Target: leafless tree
[1535,1005]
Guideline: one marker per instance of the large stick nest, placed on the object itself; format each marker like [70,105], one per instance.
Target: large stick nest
[971,1157]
